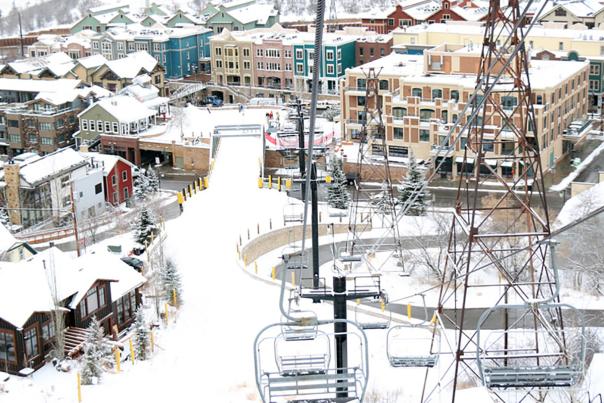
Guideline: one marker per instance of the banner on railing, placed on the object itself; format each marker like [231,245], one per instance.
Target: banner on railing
[283,142]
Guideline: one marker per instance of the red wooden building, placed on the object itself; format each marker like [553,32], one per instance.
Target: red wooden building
[117,176]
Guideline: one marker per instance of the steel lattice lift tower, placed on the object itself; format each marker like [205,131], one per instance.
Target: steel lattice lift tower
[530,350]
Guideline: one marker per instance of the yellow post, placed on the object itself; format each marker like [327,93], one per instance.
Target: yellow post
[205,182]
[358,301]
[274,273]
[245,260]
[270,182]
[409,311]
[201,183]
[382,305]
[195,186]
[152,341]
[118,361]
[179,198]
[174,297]
[288,184]
[255,267]
[260,183]
[293,279]
[131,351]
[190,190]
[328,179]
[79,382]
[279,183]
[166,313]
[433,318]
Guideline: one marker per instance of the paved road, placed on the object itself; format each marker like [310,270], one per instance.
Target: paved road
[593,317]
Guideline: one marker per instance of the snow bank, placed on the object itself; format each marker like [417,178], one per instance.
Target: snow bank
[580,205]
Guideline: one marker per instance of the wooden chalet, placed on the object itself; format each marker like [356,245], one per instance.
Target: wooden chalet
[94,285]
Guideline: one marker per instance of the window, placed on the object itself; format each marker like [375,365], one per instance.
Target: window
[30,338]
[437,93]
[397,151]
[287,54]
[425,115]
[424,135]
[246,65]
[416,92]
[339,54]
[339,69]
[92,126]
[98,188]
[299,54]
[383,84]
[330,69]
[14,138]
[361,83]
[299,68]
[218,64]
[509,103]
[95,45]
[101,296]
[218,51]
[7,346]
[288,67]
[399,113]
[60,123]
[46,126]
[115,198]
[397,133]
[329,55]
[157,47]
[64,181]
[126,195]
[99,125]
[455,95]
[113,180]
[390,22]
[361,51]
[260,52]
[594,85]
[47,141]
[48,331]
[107,127]
[124,176]
[115,127]
[371,51]
[560,12]
[120,46]
[382,52]
[13,123]
[594,69]
[487,145]
[539,100]
[560,45]
[444,116]
[92,301]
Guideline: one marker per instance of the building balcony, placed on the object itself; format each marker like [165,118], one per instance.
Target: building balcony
[355,122]
[355,90]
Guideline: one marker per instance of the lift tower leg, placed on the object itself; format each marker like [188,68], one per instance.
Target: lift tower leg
[315,226]
[340,329]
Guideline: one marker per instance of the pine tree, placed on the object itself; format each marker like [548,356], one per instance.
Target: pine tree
[95,353]
[144,226]
[141,334]
[4,219]
[382,202]
[152,181]
[141,186]
[411,187]
[337,194]
[170,281]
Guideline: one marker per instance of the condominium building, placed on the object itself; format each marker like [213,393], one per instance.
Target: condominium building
[424,95]
[571,44]
[182,51]
[278,58]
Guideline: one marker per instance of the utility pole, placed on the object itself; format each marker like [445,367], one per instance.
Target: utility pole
[314,225]
[75,219]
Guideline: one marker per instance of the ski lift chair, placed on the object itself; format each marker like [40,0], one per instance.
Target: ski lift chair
[373,322]
[293,213]
[531,352]
[413,345]
[304,371]
[305,327]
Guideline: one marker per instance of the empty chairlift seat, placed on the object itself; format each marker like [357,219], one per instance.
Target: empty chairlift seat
[529,354]
[367,320]
[413,345]
[295,370]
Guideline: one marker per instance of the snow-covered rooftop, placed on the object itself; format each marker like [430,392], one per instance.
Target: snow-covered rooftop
[580,205]
[107,161]
[92,61]
[49,165]
[131,66]
[394,64]
[124,108]
[15,84]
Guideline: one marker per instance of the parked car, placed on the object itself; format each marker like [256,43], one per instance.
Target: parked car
[137,250]
[212,100]
[134,262]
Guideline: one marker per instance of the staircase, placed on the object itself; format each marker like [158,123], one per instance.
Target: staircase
[74,341]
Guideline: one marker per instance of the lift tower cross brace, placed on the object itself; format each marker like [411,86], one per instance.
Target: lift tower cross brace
[507,237]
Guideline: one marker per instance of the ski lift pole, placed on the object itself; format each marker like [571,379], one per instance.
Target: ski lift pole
[340,329]
[315,227]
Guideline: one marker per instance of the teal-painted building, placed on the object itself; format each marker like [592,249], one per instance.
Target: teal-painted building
[337,56]
[596,83]
[181,51]
[100,22]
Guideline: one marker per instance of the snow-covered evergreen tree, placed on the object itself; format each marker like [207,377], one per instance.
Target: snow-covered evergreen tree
[170,281]
[412,186]
[152,181]
[144,226]
[95,353]
[141,186]
[337,193]
[382,202]
[141,335]
[4,219]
